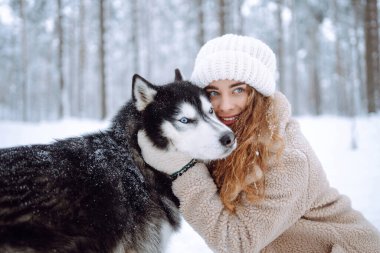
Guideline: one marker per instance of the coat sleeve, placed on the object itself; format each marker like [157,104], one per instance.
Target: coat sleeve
[254,225]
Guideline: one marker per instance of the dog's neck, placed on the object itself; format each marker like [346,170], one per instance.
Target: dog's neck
[123,130]
[125,125]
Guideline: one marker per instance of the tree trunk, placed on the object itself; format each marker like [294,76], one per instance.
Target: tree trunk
[60,60]
[315,92]
[200,19]
[359,58]
[372,53]
[221,17]
[82,58]
[14,97]
[73,67]
[240,18]
[24,62]
[49,101]
[102,65]
[135,37]
[339,80]
[315,53]
[294,60]
[280,47]
[148,41]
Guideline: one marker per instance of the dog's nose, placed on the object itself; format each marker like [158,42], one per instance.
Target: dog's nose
[227,139]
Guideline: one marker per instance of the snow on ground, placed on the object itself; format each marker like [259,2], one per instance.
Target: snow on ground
[355,173]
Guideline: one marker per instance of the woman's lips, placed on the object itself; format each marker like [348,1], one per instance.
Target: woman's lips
[229,120]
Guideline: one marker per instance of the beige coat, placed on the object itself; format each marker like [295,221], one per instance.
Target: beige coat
[301,212]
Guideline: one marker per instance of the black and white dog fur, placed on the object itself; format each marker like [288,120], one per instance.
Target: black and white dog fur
[95,193]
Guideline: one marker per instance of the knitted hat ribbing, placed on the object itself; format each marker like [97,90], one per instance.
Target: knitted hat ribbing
[239,58]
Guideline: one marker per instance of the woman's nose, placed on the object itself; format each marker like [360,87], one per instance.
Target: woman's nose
[226,104]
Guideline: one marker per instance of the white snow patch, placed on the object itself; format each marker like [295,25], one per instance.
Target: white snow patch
[6,15]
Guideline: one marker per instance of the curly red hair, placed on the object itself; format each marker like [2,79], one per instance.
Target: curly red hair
[243,172]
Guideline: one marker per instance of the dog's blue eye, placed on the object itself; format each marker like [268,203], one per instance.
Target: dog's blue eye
[211,111]
[184,120]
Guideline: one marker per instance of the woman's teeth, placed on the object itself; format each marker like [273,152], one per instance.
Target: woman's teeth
[230,118]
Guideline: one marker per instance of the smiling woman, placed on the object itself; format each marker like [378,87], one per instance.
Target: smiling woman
[271,194]
[250,121]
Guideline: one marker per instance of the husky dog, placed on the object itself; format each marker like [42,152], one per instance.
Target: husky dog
[95,193]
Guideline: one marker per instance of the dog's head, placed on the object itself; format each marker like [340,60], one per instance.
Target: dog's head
[179,115]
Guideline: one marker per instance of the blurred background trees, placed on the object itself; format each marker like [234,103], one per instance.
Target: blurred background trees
[68,58]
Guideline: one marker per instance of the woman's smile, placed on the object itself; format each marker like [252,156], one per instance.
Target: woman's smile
[229,120]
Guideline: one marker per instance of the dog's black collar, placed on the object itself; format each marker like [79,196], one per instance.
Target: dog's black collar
[183,170]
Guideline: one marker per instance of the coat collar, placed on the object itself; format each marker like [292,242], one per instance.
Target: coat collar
[281,108]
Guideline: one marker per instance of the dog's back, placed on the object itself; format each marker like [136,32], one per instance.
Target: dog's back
[76,195]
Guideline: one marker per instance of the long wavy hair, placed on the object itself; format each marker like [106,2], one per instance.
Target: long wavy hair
[243,172]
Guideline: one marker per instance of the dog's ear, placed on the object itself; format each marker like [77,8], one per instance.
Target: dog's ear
[143,92]
[178,75]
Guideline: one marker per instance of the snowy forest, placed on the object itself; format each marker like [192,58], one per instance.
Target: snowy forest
[76,58]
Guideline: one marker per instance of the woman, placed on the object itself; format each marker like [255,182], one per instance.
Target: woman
[270,194]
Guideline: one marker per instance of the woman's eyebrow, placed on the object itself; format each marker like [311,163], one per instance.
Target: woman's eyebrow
[236,84]
[211,87]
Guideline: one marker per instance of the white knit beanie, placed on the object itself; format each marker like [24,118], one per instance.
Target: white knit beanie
[239,58]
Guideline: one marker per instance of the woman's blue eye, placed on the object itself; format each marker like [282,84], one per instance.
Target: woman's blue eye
[239,90]
[184,120]
[213,94]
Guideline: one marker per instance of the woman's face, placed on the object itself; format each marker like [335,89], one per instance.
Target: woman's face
[229,99]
